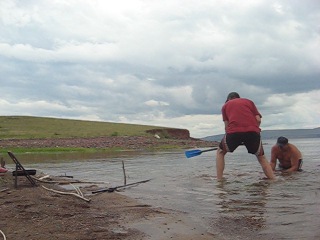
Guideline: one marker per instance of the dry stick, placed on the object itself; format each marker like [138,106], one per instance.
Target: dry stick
[81,194]
[4,236]
[2,163]
[44,177]
[124,174]
[112,189]
[67,193]
[77,189]
[65,182]
[3,190]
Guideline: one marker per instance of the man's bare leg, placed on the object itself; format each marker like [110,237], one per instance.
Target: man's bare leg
[220,163]
[266,167]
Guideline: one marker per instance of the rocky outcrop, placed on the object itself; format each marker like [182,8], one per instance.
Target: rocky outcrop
[120,142]
[171,133]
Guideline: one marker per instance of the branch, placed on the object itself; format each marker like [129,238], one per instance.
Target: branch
[4,236]
[77,189]
[112,189]
[124,174]
[65,182]
[67,193]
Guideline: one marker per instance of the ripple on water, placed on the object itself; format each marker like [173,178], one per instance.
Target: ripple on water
[243,206]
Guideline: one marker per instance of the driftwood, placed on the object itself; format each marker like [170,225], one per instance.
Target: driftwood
[44,177]
[78,190]
[3,190]
[4,236]
[78,194]
[124,173]
[64,182]
[112,189]
[66,176]
[2,163]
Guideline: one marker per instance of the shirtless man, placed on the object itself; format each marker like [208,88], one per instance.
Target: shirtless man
[289,156]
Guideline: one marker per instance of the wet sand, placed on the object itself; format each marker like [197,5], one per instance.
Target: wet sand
[36,213]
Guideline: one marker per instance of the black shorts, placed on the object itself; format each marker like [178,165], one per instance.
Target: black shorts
[252,141]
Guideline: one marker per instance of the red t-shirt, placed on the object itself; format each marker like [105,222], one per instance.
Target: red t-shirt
[241,115]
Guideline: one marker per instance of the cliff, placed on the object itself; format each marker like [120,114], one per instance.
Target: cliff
[171,133]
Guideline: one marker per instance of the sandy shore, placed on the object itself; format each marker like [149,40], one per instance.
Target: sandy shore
[37,213]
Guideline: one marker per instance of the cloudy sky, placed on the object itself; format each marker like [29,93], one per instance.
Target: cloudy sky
[161,62]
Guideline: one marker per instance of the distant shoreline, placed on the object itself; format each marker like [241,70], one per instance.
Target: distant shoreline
[274,134]
[103,143]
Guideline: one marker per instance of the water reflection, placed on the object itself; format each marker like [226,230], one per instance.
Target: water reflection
[241,207]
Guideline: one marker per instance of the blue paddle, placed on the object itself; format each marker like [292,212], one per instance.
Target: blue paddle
[193,153]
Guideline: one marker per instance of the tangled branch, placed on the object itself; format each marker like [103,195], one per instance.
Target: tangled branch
[79,194]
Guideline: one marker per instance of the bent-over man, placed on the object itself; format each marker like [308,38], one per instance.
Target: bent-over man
[242,120]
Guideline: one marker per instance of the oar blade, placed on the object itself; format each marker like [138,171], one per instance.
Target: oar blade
[193,153]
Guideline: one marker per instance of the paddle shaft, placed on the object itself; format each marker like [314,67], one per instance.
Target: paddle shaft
[208,150]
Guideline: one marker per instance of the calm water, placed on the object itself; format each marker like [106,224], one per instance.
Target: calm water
[245,206]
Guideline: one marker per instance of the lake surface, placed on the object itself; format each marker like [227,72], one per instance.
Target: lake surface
[245,206]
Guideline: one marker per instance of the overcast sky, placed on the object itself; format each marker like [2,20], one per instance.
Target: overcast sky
[166,63]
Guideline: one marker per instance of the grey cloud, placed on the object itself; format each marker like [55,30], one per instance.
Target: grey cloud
[106,63]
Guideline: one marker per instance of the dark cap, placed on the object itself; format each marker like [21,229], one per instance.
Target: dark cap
[282,141]
[232,95]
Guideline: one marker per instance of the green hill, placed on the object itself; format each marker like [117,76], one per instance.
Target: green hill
[24,127]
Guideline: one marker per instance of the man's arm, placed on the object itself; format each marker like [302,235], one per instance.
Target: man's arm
[258,118]
[273,161]
[226,123]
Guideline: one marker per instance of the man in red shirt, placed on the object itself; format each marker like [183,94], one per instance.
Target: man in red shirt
[242,120]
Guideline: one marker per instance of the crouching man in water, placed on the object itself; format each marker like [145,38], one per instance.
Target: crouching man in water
[289,156]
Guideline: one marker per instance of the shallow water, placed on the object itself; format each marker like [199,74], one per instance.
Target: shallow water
[245,206]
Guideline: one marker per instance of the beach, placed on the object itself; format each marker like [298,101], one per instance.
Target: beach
[33,212]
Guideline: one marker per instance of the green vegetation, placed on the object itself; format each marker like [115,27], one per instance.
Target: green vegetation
[21,127]
[47,150]
[14,128]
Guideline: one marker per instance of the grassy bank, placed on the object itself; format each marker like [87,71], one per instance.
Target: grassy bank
[22,134]
[21,127]
[49,150]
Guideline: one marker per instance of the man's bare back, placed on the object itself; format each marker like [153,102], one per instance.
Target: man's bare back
[289,156]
